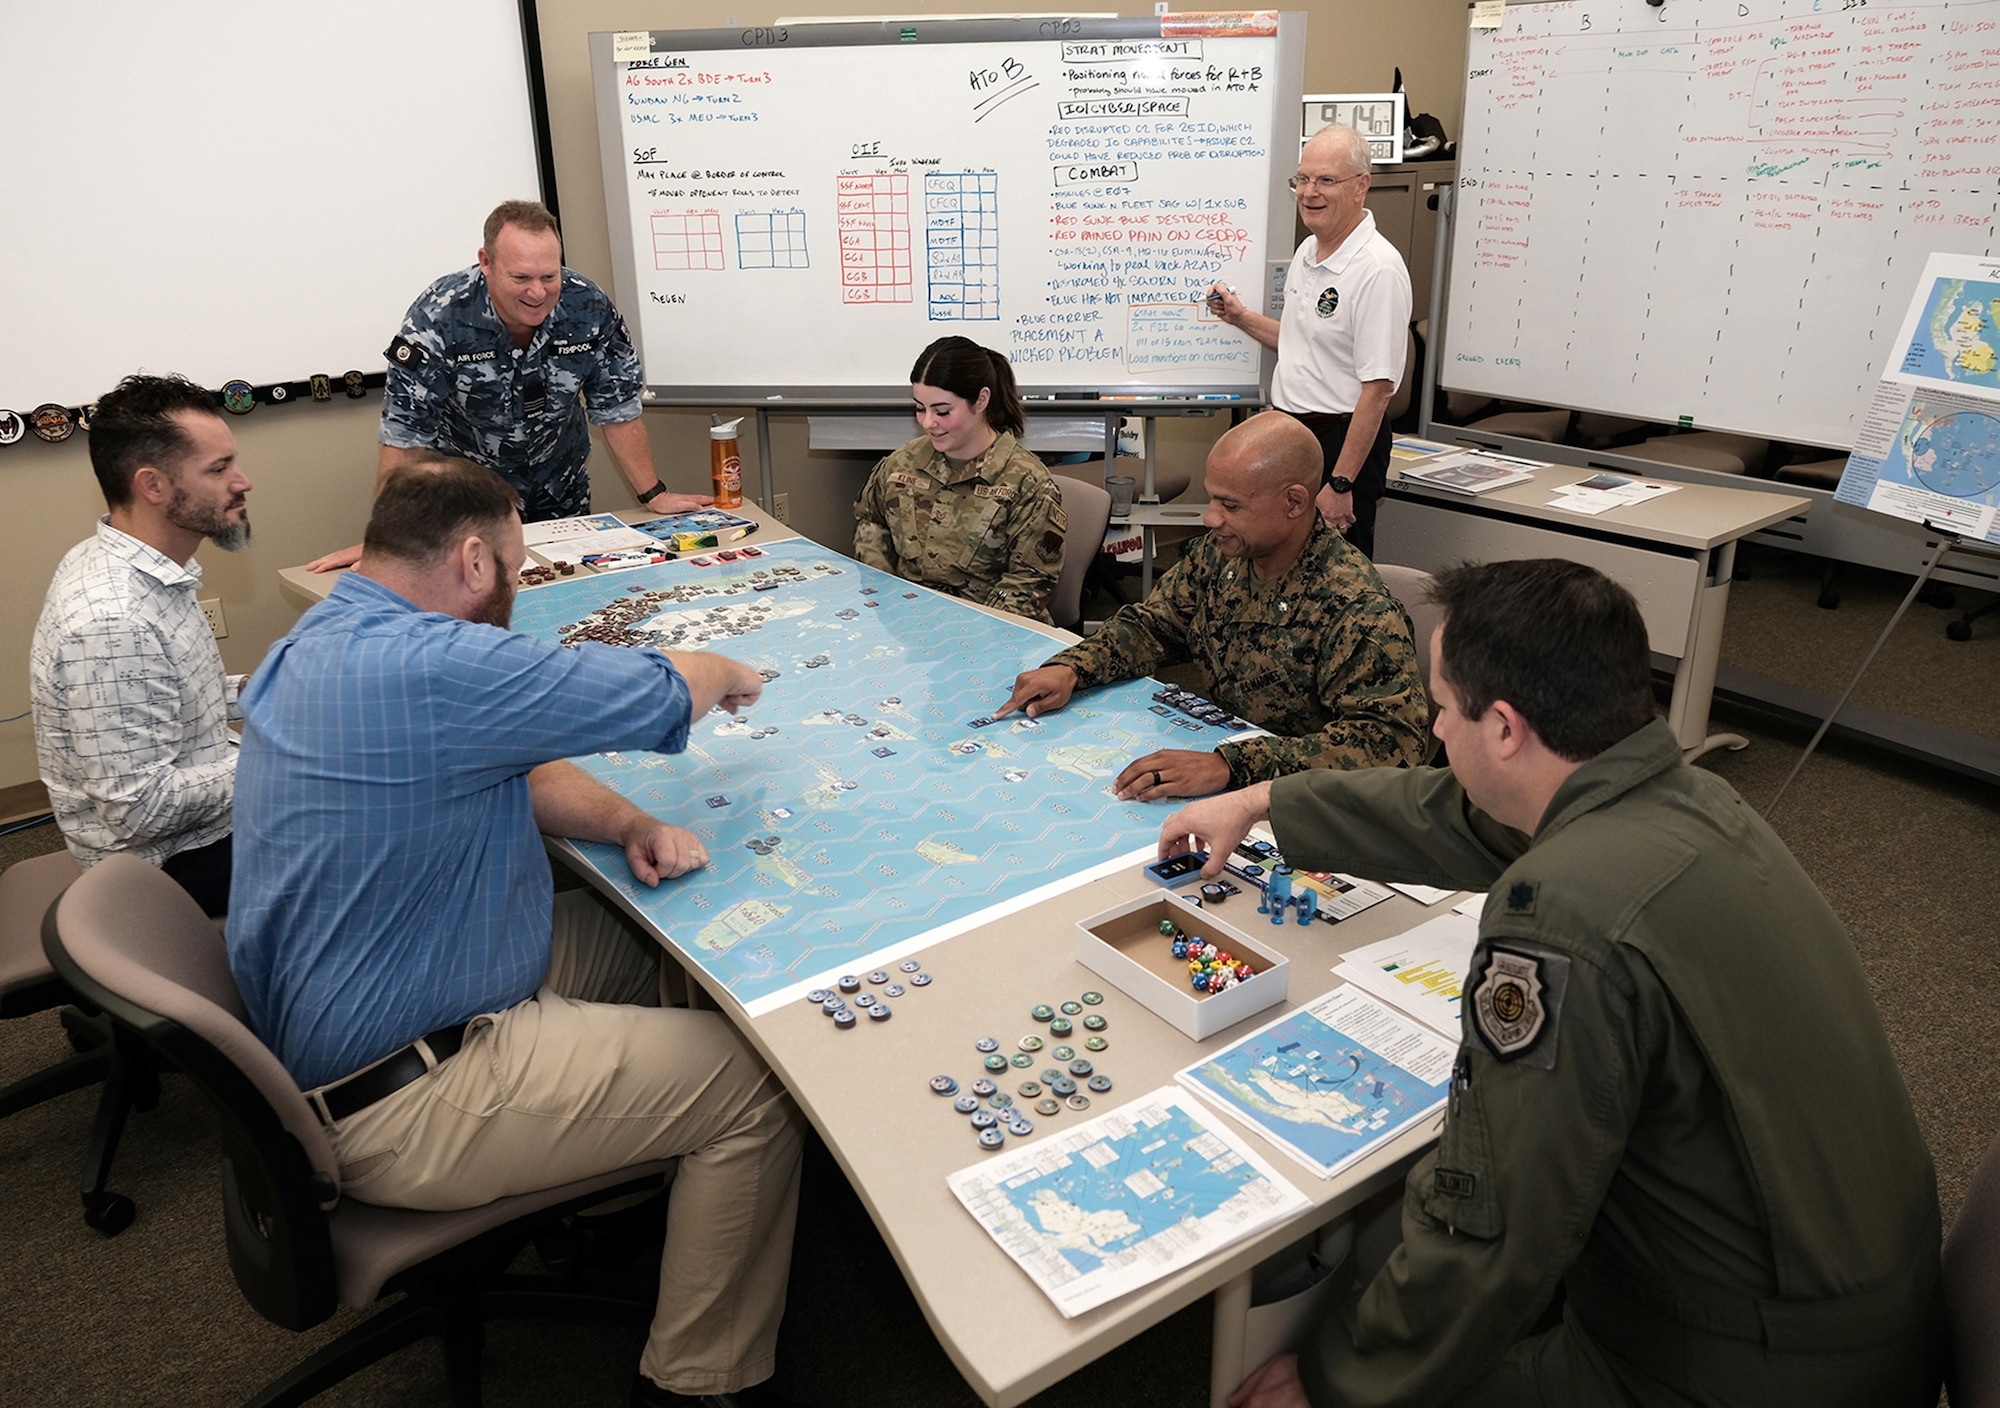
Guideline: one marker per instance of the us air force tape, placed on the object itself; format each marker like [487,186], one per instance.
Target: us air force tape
[12,427]
[51,422]
[237,398]
[1517,1001]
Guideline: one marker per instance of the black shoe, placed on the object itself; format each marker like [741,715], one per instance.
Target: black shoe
[647,1394]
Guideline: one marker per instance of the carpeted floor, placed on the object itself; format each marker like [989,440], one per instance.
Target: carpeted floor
[1902,851]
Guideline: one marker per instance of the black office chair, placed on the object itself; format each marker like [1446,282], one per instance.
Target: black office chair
[29,985]
[300,1251]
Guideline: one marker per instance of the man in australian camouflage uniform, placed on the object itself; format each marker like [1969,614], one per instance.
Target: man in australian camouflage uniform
[989,530]
[1294,627]
[505,362]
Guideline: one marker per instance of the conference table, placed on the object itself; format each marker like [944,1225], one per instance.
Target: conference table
[1676,553]
[866,1091]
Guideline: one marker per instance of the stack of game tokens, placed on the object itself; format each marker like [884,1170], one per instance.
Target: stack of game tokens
[1210,969]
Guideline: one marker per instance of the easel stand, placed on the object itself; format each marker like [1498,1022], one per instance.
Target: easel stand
[1948,541]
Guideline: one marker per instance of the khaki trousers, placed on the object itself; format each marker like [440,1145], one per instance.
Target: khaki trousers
[587,1077]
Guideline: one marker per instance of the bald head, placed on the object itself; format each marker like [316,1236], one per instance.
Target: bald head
[1273,450]
[1261,478]
[1342,147]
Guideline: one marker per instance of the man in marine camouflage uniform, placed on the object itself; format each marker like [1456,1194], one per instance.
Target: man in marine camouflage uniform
[1673,1100]
[1294,627]
[504,363]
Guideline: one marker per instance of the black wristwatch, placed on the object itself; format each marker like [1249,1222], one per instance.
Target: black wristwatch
[653,493]
[1340,484]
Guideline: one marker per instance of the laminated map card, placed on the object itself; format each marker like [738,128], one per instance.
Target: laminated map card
[1106,1207]
[1330,1081]
[1928,449]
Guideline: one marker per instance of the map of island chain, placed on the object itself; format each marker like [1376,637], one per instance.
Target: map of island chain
[1106,1207]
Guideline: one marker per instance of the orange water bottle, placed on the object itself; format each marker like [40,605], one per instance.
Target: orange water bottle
[725,464]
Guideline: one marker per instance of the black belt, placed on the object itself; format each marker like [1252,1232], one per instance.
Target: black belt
[336,1102]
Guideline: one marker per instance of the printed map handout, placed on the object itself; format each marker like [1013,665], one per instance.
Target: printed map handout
[1330,1081]
[1929,445]
[1106,1207]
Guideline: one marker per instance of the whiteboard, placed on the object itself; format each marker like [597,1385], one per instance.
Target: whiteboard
[253,192]
[1714,212]
[797,211]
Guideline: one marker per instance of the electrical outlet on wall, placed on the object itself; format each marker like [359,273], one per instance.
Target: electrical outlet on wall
[212,609]
[781,507]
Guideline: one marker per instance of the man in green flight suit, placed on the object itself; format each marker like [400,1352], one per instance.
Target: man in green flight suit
[1673,1101]
[1295,629]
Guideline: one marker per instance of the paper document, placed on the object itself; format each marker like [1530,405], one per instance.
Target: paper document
[696,526]
[1408,447]
[1117,1202]
[1471,904]
[1469,472]
[1422,894]
[1331,1080]
[1928,450]
[1422,971]
[1607,491]
[572,539]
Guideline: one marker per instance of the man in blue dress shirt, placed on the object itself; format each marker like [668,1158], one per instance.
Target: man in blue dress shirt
[464,1033]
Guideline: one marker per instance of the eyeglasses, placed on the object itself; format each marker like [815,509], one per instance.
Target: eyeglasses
[1323,184]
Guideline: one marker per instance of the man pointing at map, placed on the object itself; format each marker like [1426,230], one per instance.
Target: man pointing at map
[1294,627]
[464,1034]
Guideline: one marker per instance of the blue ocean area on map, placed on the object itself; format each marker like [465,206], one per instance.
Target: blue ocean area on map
[859,804]
[1315,1087]
[1101,1189]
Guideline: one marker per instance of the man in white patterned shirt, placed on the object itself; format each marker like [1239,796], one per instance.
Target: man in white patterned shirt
[131,704]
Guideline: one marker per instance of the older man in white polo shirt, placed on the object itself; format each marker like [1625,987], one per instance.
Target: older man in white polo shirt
[1342,333]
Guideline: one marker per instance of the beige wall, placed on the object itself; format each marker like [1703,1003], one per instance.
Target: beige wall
[313,465]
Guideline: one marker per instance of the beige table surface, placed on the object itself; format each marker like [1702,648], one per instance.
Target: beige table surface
[866,1091]
[1675,553]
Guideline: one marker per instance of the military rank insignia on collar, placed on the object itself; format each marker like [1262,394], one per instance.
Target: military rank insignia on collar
[1516,1001]
[1521,897]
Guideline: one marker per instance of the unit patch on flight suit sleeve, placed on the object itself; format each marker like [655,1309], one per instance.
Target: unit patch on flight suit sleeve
[1516,1000]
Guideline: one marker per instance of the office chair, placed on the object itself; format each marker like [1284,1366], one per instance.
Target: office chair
[298,1250]
[1972,1290]
[1412,587]
[1088,510]
[29,985]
